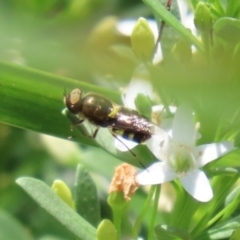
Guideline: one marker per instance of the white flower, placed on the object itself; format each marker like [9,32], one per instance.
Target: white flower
[182,159]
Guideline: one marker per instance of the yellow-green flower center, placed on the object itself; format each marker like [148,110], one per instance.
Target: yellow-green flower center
[181,158]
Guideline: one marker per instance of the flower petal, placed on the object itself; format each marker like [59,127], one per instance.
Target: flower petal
[209,152]
[157,173]
[120,144]
[183,130]
[138,84]
[197,185]
[156,142]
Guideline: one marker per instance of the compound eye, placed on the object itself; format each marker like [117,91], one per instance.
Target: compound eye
[73,101]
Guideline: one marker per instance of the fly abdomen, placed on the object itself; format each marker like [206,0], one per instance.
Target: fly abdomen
[138,137]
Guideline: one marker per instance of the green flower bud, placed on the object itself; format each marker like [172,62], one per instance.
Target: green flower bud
[63,191]
[202,19]
[142,40]
[106,230]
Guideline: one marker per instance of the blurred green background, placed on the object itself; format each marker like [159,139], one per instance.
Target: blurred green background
[77,39]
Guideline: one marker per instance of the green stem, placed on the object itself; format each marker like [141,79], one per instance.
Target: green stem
[206,38]
[154,212]
[143,212]
[117,220]
[215,218]
[161,12]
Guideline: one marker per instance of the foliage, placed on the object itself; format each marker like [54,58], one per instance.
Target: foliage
[49,48]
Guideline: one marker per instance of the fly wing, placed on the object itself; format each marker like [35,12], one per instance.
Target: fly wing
[132,121]
[133,126]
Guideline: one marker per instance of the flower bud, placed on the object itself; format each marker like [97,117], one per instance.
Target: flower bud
[106,230]
[202,18]
[142,40]
[63,191]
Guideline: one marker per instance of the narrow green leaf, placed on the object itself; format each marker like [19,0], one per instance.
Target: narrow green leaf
[85,196]
[49,201]
[164,232]
[33,100]
[164,14]
[11,229]
[231,203]
[222,231]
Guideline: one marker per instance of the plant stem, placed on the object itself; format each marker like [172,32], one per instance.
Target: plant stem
[143,212]
[154,212]
[206,38]
[117,220]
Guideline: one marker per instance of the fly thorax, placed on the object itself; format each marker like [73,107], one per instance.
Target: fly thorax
[180,158]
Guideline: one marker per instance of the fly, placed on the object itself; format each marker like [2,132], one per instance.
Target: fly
[102,112]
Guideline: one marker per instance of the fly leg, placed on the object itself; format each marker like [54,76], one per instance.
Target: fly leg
[95,132]
[139,161]
[83,132]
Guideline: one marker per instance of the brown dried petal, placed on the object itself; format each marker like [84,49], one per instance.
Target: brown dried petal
[124,180]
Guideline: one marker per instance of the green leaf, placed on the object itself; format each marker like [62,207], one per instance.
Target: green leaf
[33,100]
[164,232]
[225,170]
[160,11]
[50,237]
[11,229]
[222,231]
[233,8]
[85,197]
[231,203]
[227,29]
[49,201]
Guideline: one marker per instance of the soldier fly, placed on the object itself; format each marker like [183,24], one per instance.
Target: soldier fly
[102,112]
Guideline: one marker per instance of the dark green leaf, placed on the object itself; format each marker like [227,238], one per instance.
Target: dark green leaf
[85,197]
